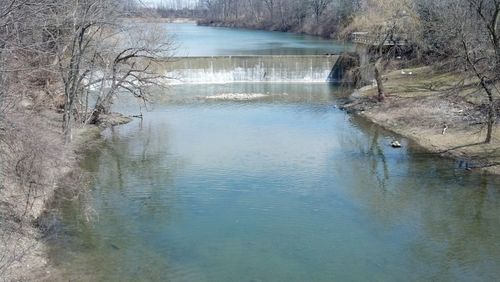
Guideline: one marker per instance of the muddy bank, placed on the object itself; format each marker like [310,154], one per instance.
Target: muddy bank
[35,163]
[427,107]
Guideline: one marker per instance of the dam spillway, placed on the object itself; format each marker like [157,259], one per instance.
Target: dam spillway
[230,69]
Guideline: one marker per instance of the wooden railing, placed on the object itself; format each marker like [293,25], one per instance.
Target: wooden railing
[368,39]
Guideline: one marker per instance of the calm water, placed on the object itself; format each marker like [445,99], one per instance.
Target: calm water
[283,187]
[193,40]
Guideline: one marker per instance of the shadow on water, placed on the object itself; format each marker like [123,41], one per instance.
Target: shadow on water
[443,215]
[90,224]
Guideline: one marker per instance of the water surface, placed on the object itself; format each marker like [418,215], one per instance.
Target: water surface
[193,40]
[282,188]
[271,182]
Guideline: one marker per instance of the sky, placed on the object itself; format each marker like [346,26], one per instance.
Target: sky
[176,4]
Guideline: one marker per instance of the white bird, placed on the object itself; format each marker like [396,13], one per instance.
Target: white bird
[445,127]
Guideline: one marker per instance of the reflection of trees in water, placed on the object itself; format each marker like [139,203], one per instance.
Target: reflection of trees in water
[367,153]
[449,216]
[139,163]
[378,161]
[463,225]
[133,193]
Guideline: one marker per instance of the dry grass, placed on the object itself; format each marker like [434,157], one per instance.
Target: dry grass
[34,163]
[33,158]
[419,105]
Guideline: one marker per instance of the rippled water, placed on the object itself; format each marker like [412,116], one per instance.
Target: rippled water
[271,182]
[284,187]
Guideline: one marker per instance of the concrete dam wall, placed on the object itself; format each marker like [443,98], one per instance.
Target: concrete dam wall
[228,69]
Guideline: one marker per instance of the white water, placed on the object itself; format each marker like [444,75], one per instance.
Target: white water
[236,96]
[297,69]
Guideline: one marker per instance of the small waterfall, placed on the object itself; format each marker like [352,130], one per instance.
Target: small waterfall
[204,70]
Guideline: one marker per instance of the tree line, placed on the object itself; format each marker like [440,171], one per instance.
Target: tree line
[318,17]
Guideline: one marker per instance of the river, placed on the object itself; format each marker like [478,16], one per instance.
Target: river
[270,181]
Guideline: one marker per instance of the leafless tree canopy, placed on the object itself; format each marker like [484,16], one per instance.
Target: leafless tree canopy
[71,56]
[466,33]
[319,17]
[79,46]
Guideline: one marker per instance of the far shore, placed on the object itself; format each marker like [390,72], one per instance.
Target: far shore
[162,20]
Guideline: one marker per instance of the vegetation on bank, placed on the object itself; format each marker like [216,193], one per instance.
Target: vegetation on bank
[426,106]
[452,106]
[62,63]
[325,18]
[460,37]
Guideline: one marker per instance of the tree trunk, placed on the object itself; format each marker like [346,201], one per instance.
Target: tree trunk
[491,108]
[380,83]
[102,107]
[490,122]
[94,119]
[67,117]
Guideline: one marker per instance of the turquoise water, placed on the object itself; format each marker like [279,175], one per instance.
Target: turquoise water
[283,188]
[193,40]
[272,182]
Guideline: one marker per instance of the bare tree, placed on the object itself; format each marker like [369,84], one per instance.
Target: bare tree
[73,29]
[94,50]
[464,35]
[318,17]
[130,67]
[390,28]
[318,7]
[479,48]
[270,7]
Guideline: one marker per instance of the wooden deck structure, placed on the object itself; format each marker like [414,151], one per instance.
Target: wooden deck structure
[366,38]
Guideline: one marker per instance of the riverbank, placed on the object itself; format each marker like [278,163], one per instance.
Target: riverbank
[427,107]
[150,19]
[36,163]
[313,30]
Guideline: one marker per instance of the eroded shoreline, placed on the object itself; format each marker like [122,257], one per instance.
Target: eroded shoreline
[25,230]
